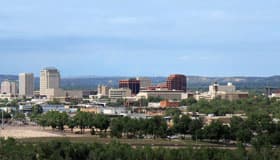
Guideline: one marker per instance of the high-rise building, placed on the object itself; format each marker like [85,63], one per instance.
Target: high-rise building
[177,82]
[132,84]
[103,90]
[26,84]
[144,82]
[9,87]
[49,79]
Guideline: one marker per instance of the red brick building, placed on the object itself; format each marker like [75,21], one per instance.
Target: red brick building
[177,82]
[132,84]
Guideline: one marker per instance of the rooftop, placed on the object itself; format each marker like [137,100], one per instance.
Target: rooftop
[50,68]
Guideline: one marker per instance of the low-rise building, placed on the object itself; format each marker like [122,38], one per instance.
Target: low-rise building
[95,110]
[226,119]
[114,111]
[275,94]
[60,94]
[87,93]
[163,94]
[54,93]
[227,92]
[7,96]
[119,93]
[25,108]
[76,94]
[154,104]
[167,103]
[51,107]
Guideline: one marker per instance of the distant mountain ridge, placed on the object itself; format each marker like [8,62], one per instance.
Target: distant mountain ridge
[194,82]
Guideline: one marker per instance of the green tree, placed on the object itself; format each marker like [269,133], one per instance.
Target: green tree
[261,144]
[154,99]
[81,120]
[244,135]
[182,124]
[102,122]
[239,130]
[54,102]
[188,102]
[172,112]
[6,115]
[19,116]
[55,119]
[42,121]
[194,126]
[157,127]
[62,120]
[117,127]
[13,103]
[37,109]
[260,122]
[216,131]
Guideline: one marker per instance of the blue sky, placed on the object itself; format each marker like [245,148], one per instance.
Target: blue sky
[131,38]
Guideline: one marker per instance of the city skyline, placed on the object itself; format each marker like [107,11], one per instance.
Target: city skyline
[215,38]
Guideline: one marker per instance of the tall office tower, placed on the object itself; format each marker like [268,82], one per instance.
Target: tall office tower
[132,84]
[49,79]
[103,90]
[177,82]
[9,87]
[26,84]
[144,82]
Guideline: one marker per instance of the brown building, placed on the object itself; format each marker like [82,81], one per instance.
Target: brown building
[166,103]
[177,82]
[132,84]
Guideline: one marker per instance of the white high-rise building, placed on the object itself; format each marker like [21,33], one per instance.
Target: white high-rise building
[103,90]
[9,87]
[49,79]
[26,84]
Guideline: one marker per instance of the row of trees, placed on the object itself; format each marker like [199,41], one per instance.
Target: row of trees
[60,150]
[155,126]
[249,130]
[81,120]
[219,107]
[131,128]
[255,129]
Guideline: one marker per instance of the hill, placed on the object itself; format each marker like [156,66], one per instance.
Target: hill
[194,82]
